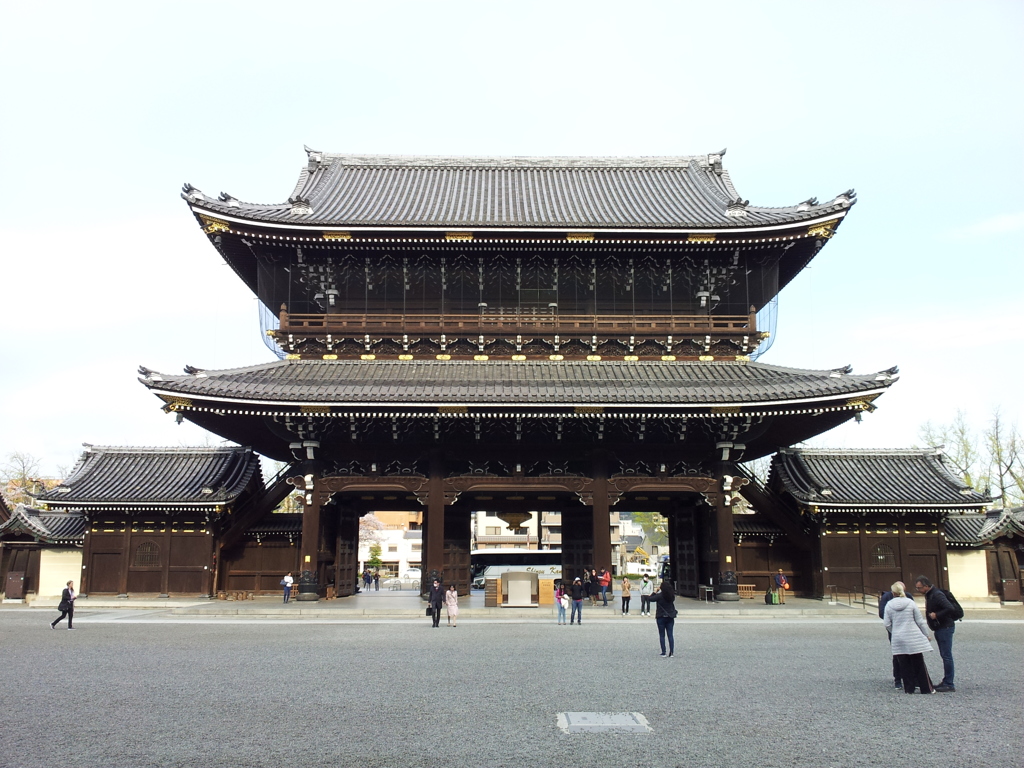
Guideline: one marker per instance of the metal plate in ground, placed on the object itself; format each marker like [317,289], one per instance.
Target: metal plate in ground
[603,722]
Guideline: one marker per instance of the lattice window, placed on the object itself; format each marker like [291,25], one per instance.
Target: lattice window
[147,555]
[883,557]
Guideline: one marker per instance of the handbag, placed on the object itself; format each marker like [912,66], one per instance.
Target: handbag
[786,585]
[430,611]
[64,606]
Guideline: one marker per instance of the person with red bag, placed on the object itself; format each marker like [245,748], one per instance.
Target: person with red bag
[781,585]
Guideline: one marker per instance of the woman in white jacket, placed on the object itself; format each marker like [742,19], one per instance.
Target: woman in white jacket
[909,640]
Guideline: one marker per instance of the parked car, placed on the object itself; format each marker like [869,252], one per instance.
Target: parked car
[413,573]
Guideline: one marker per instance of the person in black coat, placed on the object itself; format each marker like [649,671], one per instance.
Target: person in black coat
[67,606]
[665,614]
[436,599]
[577,591]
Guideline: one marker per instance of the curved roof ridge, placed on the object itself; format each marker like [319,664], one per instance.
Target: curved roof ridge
[514,161]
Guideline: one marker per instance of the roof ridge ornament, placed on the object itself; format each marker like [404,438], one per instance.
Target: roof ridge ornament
[737,208]
[845,199]
[807,204]
[192,194]
[316,157]
[232,201]
[300,205]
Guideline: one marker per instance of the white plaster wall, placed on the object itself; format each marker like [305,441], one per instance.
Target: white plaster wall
[968,574]
[56,568]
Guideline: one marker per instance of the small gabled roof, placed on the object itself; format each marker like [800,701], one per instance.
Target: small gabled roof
[48,527]
[108,476]
[973,530]
[375,191]
[887,480]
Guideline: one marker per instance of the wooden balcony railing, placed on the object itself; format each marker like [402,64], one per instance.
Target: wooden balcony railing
[513,323]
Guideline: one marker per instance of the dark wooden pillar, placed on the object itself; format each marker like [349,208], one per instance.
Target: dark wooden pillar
[165,559]
[457,548]
[308,586]
[122,588]
[602,521]
[433,526]
[577,545]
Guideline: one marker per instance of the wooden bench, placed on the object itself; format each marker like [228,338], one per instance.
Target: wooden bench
[747,590]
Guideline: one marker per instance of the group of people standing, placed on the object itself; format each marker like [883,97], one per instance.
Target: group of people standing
[908,635]
[663,597]
[371,579]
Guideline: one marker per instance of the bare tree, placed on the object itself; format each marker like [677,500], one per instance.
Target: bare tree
[992,462]
[1005,461]
[20,476]
[960,448]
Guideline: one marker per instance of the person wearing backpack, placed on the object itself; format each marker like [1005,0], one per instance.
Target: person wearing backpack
[940,615]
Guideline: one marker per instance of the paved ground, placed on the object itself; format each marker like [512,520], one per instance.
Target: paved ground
[149,688]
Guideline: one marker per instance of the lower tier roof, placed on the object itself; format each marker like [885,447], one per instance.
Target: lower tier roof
[434,383]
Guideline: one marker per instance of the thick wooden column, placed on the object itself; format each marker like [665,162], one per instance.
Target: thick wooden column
[433,526]
[308,586]
[602,521]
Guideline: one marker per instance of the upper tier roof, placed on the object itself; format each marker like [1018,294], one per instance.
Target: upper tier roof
[159,476]
[877,479]
[50,527]
[375,191]
[515,384]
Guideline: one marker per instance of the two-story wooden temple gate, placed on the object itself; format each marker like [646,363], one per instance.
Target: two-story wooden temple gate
[570,334]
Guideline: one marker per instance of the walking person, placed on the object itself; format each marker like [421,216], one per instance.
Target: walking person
[646,590]
[939,613]
[909,641]
[561,602]
[781,585]
[66,606]
[367,579]
[451,601]
[897,675]
[590,585]
[435,598]
[376,580]
[577,601]
[287,583]
[625,595]
[665,614]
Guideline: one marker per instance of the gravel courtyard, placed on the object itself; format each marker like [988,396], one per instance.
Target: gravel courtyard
[142,688]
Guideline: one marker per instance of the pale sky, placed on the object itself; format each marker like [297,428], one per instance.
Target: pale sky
[108,108]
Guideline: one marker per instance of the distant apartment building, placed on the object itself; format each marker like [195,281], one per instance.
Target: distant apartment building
[541,530]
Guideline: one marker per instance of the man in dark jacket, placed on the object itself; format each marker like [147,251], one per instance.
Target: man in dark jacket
[938,612]
[435,598]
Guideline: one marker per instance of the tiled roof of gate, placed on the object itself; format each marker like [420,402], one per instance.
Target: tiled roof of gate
[975,529]
[896,478]
[498,382]
[516,192]
[51,527]
[119,475]
[5,511]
